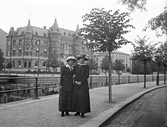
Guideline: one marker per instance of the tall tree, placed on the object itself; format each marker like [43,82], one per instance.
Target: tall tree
[118,65]
[143,52]
[1,60]
[161,59]
[104,30]
[92,64]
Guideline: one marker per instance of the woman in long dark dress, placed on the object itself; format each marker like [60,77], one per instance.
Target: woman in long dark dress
[66,86]
[81,100]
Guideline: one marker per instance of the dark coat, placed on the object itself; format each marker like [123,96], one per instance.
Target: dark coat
[66,83]
[66,79]
[82,75]
[81,100]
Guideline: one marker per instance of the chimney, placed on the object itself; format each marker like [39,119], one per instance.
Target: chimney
[44,27]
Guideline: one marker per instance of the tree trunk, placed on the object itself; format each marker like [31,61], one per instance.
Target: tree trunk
[164,74]
[158,74]
[109,82]
[106,84]
[145,74]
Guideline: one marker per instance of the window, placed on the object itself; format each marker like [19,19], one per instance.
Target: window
[14,52]
[20,41]
[36,33]
[45,53]
[44,34]
[20,52]
[37,52]
[37,42]
[25,64]
[19,63]
[13,63]
[36,63]
[29,64]
[44,63]
[14,42]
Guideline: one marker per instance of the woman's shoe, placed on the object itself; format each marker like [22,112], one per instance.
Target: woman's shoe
[62,114]
[77,114]
[67,113]
[82,115]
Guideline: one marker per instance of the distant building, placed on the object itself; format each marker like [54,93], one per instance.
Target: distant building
[124,57]
[30,47]
[3,41]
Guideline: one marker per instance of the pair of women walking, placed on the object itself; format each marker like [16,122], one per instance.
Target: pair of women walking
[74,91]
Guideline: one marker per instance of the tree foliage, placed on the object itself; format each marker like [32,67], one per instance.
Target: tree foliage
[105,29]
[158,22]
[162,54]
[134,4]
[118,65]
[105,63]
[53,61]
[1,60]
[92,64]
[143,52]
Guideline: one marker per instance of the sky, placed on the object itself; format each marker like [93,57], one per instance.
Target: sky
[16,13]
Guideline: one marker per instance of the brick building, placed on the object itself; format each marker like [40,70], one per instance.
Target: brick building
[30,47]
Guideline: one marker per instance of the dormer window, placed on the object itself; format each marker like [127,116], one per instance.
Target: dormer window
[22,32]
[36,33]
[44,34]
[64,33]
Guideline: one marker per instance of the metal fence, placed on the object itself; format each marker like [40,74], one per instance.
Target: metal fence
[19,88]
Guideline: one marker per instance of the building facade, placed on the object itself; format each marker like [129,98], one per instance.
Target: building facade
[124,57]
[30,47]
[3,41]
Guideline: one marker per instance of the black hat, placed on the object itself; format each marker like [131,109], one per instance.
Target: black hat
[83,56]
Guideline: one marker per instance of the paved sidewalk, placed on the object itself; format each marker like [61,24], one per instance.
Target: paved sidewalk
[44,112]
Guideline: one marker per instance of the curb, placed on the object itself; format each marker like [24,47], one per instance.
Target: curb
[102,118]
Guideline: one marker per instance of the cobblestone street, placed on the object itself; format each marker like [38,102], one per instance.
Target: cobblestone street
[148,111]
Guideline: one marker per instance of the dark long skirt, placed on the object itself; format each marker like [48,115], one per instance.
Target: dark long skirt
[81,101]
[65,101]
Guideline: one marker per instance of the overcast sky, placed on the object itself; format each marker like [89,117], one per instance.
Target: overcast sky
[16,13]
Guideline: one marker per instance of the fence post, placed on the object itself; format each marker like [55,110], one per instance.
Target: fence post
[91,82]
[137,79]
[119,79]
[129,79]
[36,88]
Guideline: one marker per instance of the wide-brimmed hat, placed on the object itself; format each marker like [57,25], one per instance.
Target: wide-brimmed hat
[71,58]
[83,56]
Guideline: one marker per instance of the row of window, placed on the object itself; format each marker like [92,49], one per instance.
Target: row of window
[27,53]
[28,42]
[27,64]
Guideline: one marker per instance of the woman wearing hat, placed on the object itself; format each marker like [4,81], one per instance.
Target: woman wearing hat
[81,100]
[66,86]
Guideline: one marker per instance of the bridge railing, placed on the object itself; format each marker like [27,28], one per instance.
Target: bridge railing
[19,88]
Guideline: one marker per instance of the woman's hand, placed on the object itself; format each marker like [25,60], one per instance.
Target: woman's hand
[78,83]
